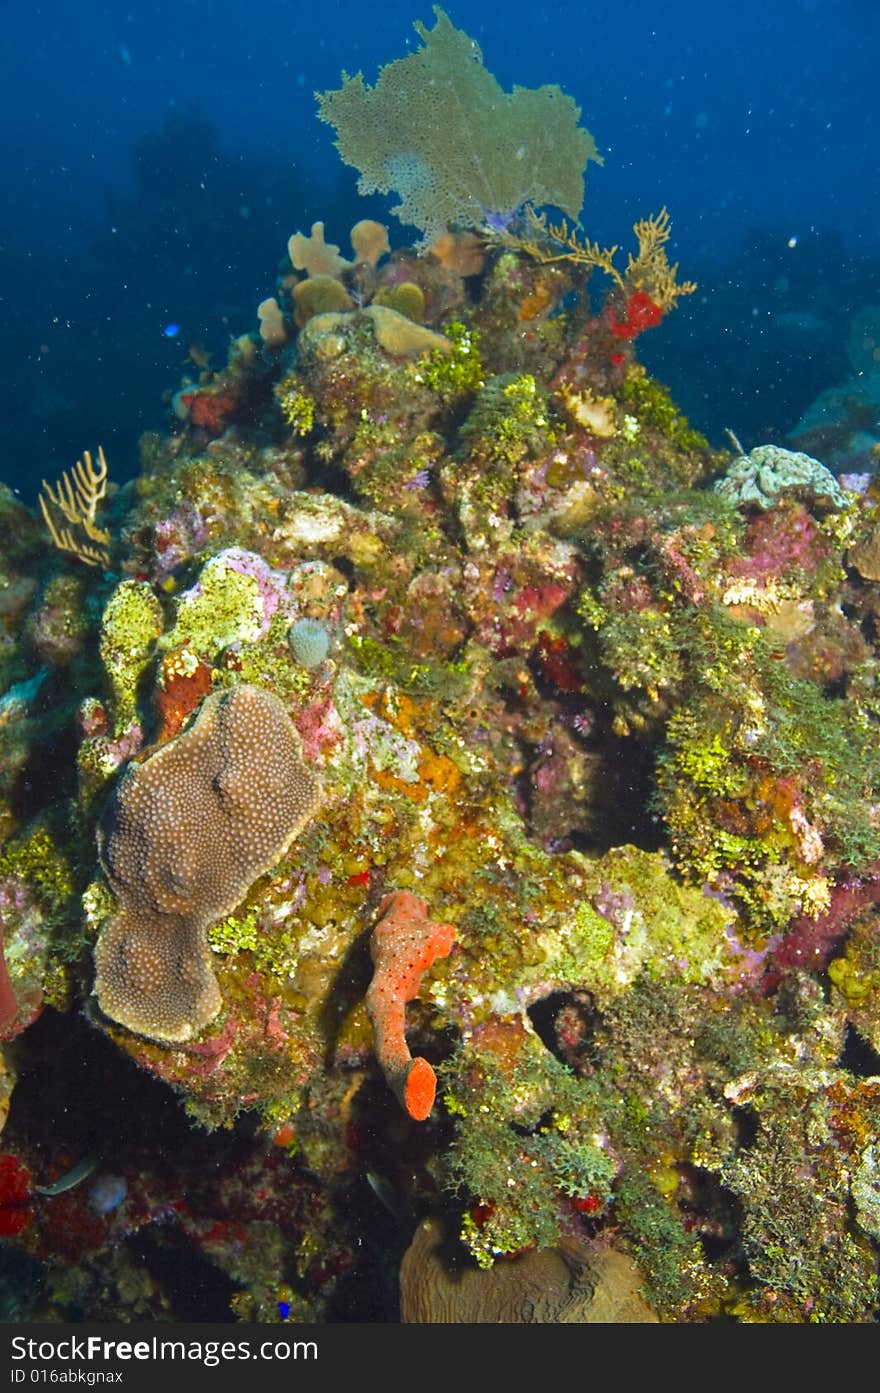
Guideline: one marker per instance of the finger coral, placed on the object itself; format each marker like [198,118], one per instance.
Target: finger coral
[184,836]
[404,945]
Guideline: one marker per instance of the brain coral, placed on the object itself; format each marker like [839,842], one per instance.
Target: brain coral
[184,835]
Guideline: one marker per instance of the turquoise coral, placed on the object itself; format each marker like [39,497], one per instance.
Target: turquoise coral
[760,476]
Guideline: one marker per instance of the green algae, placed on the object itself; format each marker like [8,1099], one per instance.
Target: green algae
[652,405]
[457,375]
[224,608]
[510,418]
[296,404]
[39,860]
[652,925]
[130,626]
[670,1257]
[524,1143]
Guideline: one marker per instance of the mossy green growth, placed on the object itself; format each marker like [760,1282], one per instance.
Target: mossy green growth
[456,375]
[855,978]
[237,933]
[651,924]
[649,652]
[296,404]
[270,663]
[510,419]
[273,952]
[525,1142]
[130,625]
[651,403]
[745,736]
[592,937]
[641,647]
[667,1254]
[224,607]
[796,1226]
[73,606]
[38,860]
[99,904]
[383,465]
[383,662]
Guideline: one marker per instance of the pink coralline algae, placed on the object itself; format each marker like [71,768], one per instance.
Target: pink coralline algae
[404,945]
[811,940]
[8,1002]
[780,541]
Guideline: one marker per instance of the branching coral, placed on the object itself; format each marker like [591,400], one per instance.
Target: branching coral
[647,282]
[69,510]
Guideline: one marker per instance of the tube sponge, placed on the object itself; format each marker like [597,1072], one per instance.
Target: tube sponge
[405,943]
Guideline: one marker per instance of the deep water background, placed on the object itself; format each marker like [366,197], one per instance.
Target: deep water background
[159,155]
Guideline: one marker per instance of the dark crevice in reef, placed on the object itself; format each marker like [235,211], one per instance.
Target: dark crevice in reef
[566,1023]
[47,776]
[54,1109]
[858,1056]
[195,1288]
[623,811]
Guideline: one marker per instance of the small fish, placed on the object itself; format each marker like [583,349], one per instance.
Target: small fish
[200,355]
[171,331]
[73,1177]
[388,1197]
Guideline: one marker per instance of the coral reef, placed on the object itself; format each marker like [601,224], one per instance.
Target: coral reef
[448,813]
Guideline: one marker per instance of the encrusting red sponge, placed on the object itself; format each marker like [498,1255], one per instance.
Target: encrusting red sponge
[404,945]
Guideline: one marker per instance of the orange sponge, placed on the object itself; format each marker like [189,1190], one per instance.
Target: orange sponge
[404,945]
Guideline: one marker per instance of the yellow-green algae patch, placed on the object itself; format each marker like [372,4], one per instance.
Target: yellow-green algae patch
[646,922]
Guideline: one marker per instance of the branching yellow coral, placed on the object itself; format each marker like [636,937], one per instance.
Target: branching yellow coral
[438,130]
[69,510]
[579,252]
[648,271]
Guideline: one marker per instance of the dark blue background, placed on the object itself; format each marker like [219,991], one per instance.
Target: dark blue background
[755,123]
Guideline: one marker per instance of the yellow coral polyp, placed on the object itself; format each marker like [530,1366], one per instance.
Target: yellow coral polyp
[855,985]
[297,407]
[180,663]
[596,414]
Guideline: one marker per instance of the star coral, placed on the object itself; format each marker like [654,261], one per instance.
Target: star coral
[185,834]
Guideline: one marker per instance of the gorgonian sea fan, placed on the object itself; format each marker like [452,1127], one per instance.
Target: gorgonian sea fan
[439,131]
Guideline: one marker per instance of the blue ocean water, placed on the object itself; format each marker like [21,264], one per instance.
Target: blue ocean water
[159,155]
